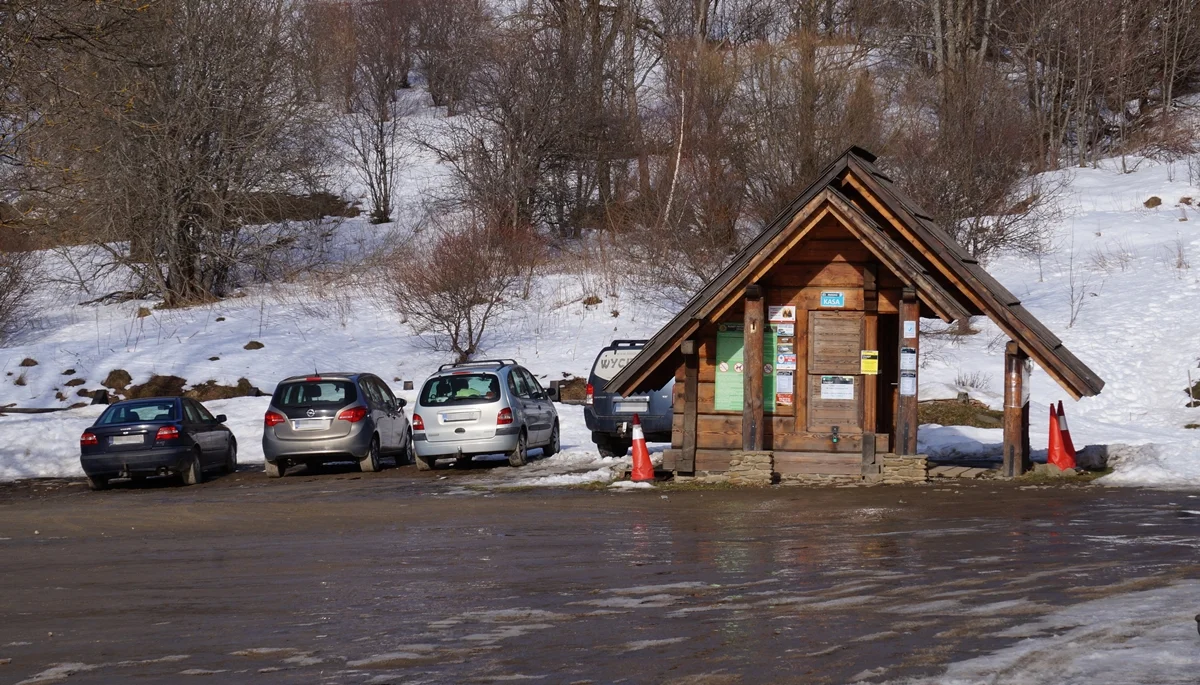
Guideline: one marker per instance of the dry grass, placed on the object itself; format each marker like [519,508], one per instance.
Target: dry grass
[956,413]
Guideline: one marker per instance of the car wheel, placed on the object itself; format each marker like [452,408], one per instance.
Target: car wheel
[274,469]
[410,453]
[97,482]
[518,456]
[554,446]
[231,458]
[370,463]
[613,448]
[193,474]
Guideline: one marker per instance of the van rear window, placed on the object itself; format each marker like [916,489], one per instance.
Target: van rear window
[611,361]
[315,393]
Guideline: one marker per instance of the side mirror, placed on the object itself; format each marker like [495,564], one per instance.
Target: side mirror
[402,402]
[552,393]
[221,418]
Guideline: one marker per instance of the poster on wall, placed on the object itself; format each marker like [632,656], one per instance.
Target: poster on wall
[837,387]
[908,383]
[869,362]
[782,314]
[908,359]
[784,398]
[784,382]
[785,329]
[785,362]
[729,394]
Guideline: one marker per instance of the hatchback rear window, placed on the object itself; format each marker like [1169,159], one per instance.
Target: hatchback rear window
[315,393]
[137,412]
[463,388]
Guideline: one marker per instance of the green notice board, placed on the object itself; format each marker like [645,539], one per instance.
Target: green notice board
[729,394]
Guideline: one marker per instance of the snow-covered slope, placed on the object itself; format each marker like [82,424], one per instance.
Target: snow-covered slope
[1137,327]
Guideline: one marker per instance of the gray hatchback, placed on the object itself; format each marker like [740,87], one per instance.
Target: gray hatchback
[334,417]
[486,407]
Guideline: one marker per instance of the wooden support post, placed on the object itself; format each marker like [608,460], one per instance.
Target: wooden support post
[1016,411]
[752,373]
[906,410]
[870,383]
[691,386]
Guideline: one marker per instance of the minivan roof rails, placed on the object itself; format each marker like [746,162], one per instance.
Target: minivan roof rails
[628,343]
[481,362]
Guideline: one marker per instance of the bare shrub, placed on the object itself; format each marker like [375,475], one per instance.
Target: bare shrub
[976,380]
[17,282]
[1174,255]
[1115,255]
[453,289]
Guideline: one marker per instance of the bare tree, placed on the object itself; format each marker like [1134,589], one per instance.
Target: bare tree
[452,291]
[17,282]
[371,132]
[196,138]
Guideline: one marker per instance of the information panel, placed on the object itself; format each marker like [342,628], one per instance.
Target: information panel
[729,394]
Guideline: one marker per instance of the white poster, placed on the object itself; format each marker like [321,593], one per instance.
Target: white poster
[783,382]
[837,387]
[785,329]
[782,314]
[908,383]
[785,362]
[908,359]
[910,329]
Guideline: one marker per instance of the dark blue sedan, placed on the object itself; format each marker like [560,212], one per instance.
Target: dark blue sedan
[158,436]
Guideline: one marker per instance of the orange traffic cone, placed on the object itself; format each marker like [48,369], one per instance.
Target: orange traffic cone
[1066,433]
[1056,454]
[642,468]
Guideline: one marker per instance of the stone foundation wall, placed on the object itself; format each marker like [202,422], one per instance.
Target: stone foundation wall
[898,470]
[751,468]
[819,479]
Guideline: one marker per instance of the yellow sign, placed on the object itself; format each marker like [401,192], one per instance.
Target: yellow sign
[869,362]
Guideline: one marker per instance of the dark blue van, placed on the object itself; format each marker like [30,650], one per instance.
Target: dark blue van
[609,415]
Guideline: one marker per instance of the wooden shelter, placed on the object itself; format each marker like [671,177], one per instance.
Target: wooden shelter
[826,303]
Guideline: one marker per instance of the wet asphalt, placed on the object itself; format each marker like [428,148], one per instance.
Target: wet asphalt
[408,577]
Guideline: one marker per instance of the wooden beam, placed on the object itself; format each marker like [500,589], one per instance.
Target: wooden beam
[686,462]
[906,411]
[870,382]
[752,372]
[1016,411]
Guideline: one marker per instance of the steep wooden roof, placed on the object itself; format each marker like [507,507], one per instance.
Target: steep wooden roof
[901,235]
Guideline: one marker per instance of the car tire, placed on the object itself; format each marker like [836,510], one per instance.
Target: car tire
[609,447]
[97,482]
[193,474]
[231,457]
[409,456]
[370,463]
[520,454]
[274,469]
[555,445]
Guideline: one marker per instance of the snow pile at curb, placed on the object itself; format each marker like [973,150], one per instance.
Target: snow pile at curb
[1168,465]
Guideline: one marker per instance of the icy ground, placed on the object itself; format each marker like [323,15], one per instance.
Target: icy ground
[1135,326]
[1140,637]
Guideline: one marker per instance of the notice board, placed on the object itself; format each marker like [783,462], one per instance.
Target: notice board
[729,394]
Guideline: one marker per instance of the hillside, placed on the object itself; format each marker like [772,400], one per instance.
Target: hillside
[1133,324]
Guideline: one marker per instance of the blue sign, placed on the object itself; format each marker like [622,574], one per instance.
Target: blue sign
[833,299]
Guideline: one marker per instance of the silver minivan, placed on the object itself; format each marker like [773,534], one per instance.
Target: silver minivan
[486,407]
[334,417]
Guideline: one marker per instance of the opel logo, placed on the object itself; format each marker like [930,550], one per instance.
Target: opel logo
[312,412]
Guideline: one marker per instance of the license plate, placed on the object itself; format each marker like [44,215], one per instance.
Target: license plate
[127,440]
[631,407]
[460,416]
[310,424]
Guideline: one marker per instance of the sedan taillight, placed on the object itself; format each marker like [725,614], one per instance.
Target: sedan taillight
[504,417]
[88,438]
[167,433]
[353,414]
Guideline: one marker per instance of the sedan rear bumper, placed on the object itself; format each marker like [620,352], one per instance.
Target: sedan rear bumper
[137,462]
